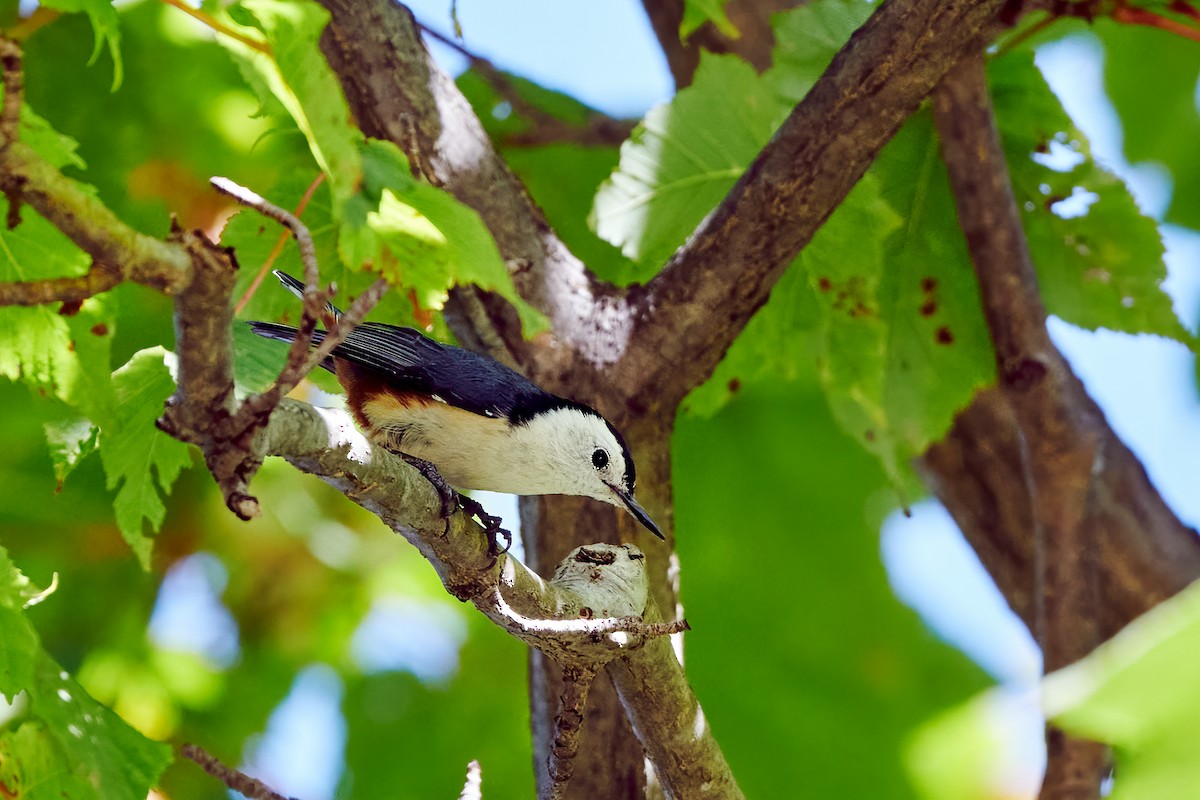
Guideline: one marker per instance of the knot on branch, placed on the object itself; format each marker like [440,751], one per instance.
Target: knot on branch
[1023,374]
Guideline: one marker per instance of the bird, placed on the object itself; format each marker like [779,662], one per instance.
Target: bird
[468,421]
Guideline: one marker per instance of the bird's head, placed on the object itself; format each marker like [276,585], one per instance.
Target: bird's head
[589,458]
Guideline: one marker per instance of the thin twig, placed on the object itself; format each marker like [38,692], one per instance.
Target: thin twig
[600,130]
[568,728]
[232,778]
[304,241]
[1131,15]
[1186,9]
[41,17]
[314,298]
[279,243]
[220,27]
[99,279]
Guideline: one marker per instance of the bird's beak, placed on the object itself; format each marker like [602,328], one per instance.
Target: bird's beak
[638,512]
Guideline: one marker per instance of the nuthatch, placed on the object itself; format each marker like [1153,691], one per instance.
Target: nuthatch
[478,423]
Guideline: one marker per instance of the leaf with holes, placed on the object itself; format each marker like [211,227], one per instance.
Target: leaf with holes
[1099,259]
[58,741]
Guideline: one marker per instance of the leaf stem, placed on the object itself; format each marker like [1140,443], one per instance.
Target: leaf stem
[220,27]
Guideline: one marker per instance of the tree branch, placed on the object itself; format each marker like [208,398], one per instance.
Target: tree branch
[753,44]
[688,316]
[25,177]
[99,279]
[234,779]
[1064,433]
[396,92]
[579,621]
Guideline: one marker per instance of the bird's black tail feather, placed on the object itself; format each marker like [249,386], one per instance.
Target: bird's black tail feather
[286,333]
[296,287]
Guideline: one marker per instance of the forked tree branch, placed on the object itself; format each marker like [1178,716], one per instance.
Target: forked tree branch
[689,315]
[557,617]
[1065,436]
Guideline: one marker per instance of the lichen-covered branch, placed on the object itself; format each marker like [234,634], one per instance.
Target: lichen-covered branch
[595,612]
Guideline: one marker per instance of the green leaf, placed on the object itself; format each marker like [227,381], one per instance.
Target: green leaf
[864,672]
[955,756]
[298,76]
[422,238]
[684,158]
[71,440]
[105,24]
[61,354]
[806,40]
[938,350]
[1137,693]
[775,347]
[1155,97]
[61,742]
[698,12]
[1102,268]
[18,641]
[56,148]
[845,264]
[133,449]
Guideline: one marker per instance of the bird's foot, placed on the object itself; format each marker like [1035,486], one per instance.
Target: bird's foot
[446,494]
[491,526]
[452,501]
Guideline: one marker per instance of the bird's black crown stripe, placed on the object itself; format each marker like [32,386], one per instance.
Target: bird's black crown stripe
[544,401]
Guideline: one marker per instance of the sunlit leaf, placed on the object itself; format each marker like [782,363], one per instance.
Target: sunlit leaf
[298,77]
[687,154]
[71,440]
[1137,693]
[421,238]
[62,354]
[57,149]
[683,159]
[134,450]
[19,644]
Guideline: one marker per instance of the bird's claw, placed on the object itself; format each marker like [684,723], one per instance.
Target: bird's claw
[446,493]
[491,526]
[452,501]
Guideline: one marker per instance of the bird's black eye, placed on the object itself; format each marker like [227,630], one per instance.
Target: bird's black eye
[599,459]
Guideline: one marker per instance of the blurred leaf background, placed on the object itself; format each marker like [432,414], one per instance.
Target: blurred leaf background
[319,651]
